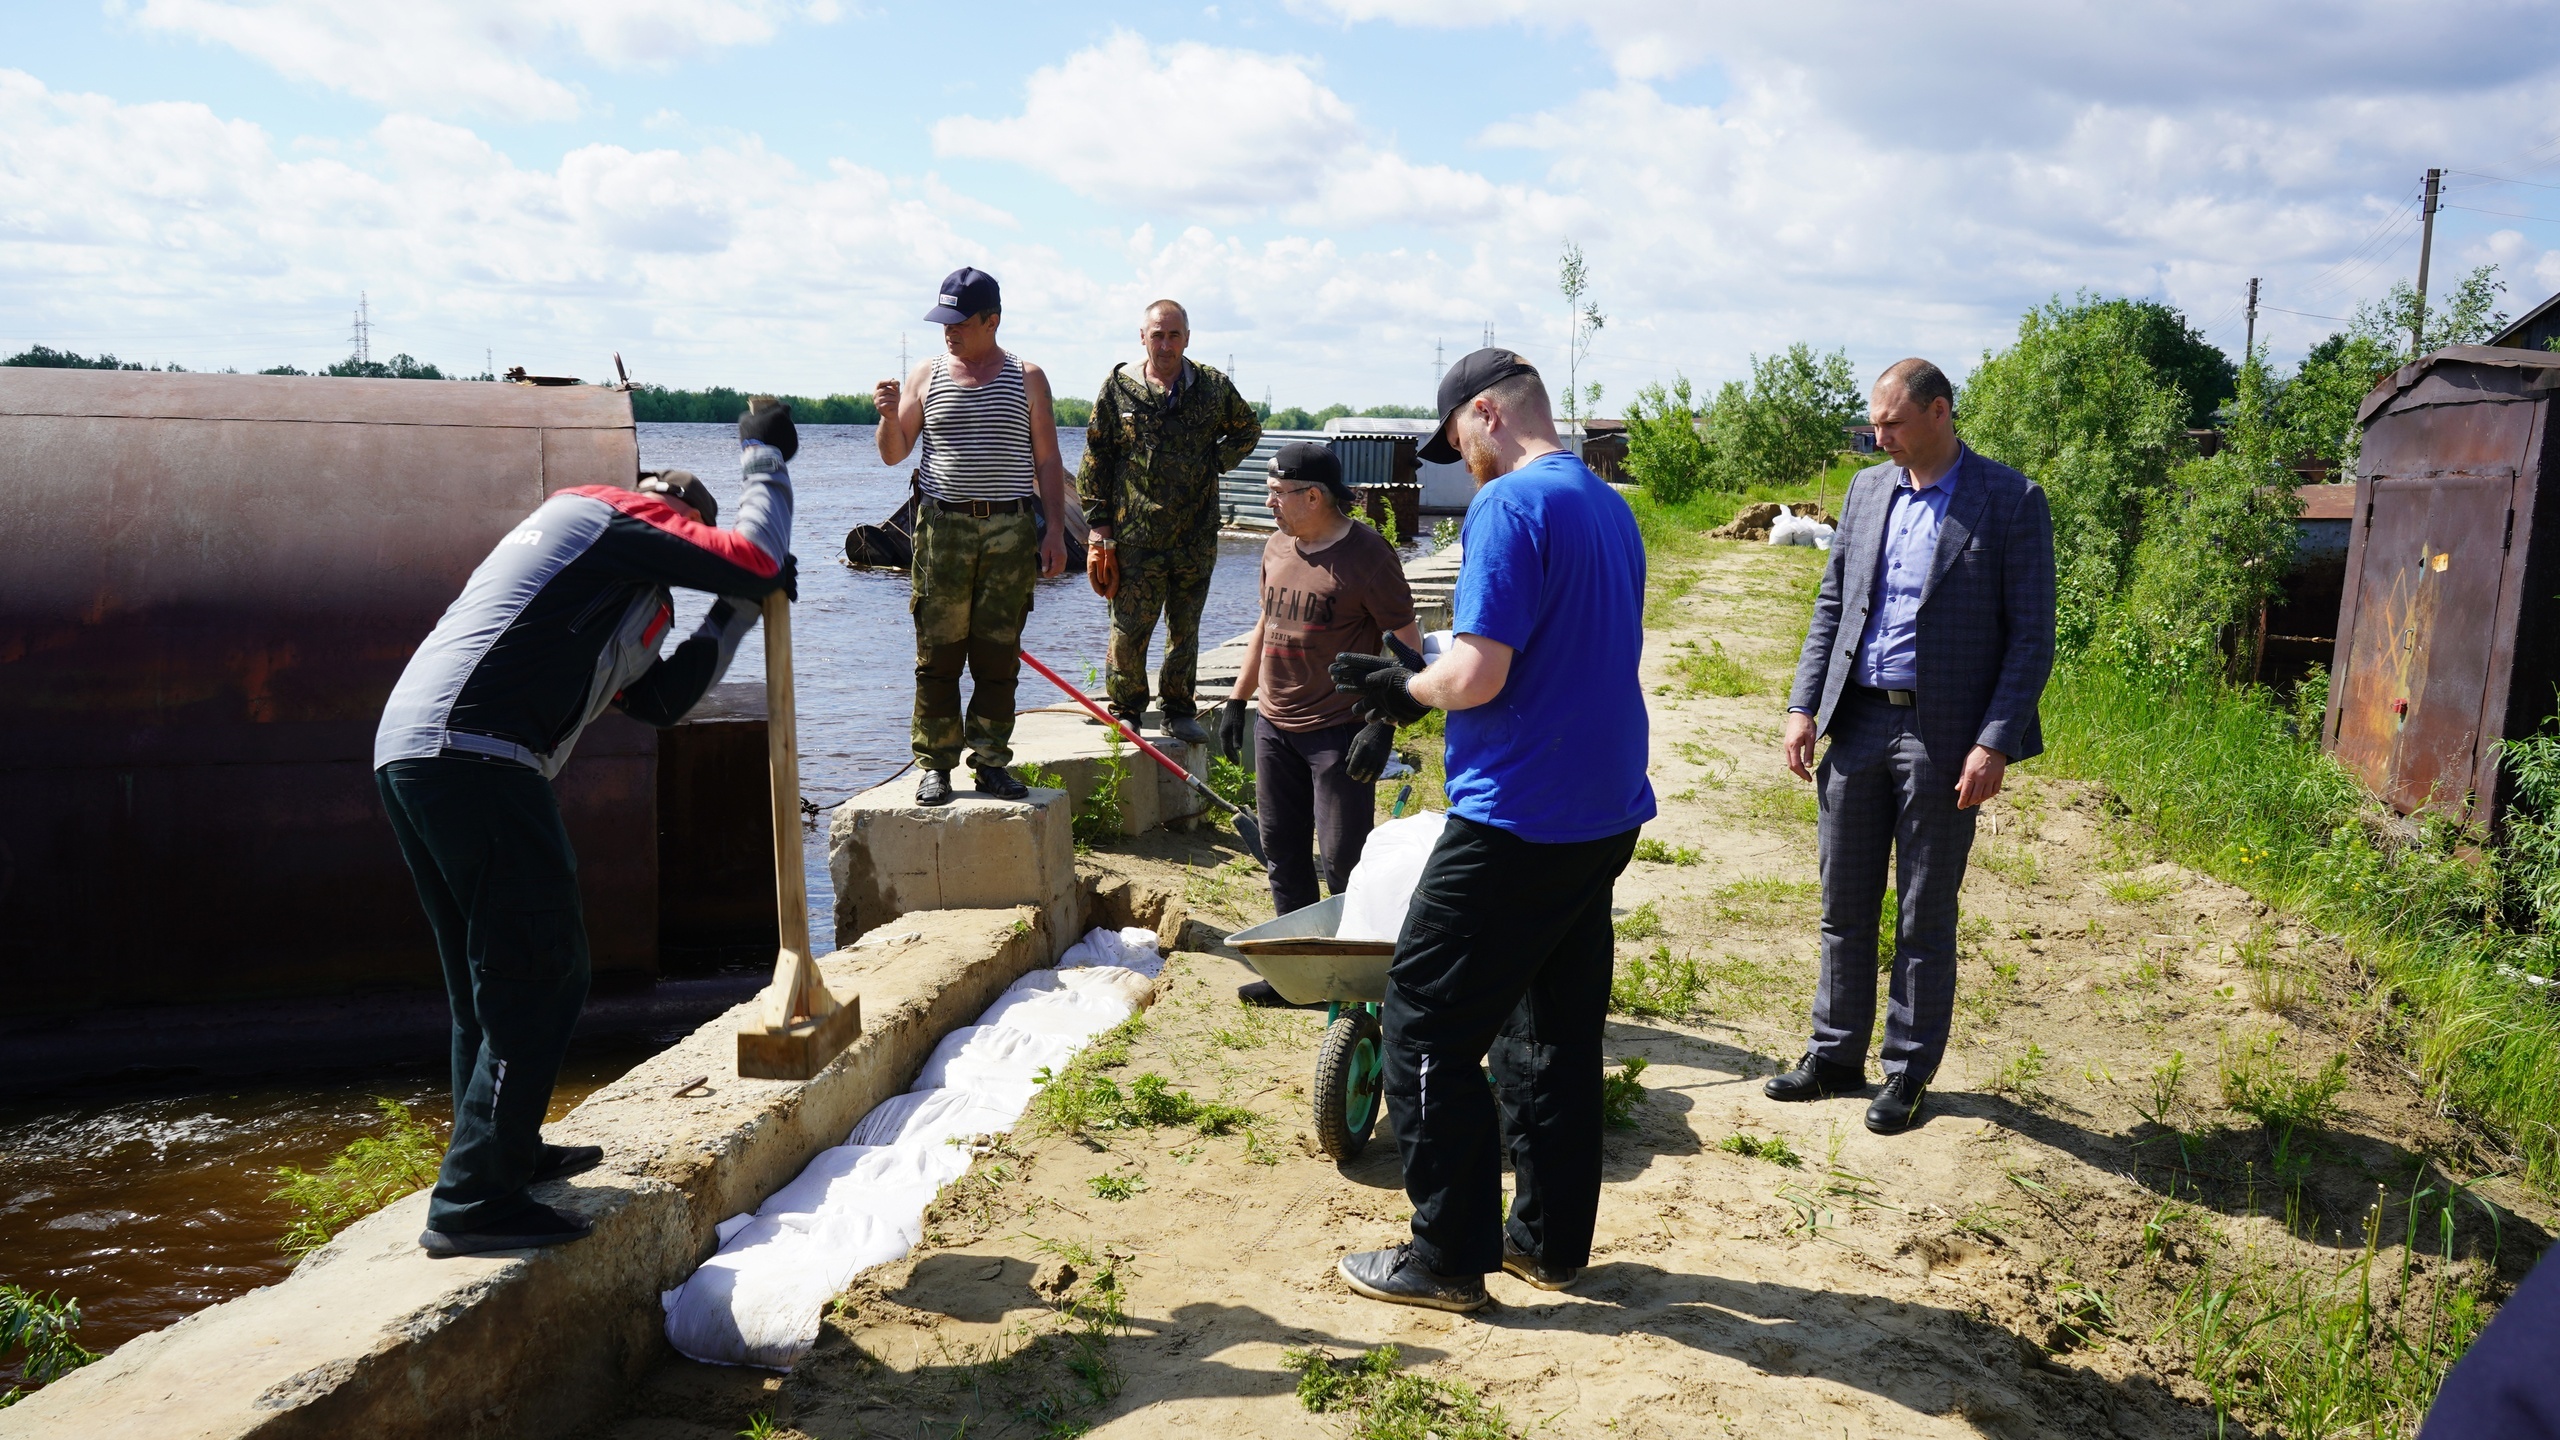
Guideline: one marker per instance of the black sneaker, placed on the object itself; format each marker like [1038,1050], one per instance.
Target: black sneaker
[933,787]
[1897,1106]
[1399,1278]
[998,783]
[559,1161]
[1523,1266]
[529,1229]
[1187,730]
[1258,993]
[1813,1079]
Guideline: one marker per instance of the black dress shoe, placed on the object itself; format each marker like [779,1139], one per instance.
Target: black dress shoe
[1897,1106]
[1399,1277]
[563,1160]
[1187,729]
[1523,1266]
[933,787]
[529,1229]
[998,783]
[1813,1079]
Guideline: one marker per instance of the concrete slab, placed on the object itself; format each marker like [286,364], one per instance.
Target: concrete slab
[892,857]
[1070,743]
[370,1337]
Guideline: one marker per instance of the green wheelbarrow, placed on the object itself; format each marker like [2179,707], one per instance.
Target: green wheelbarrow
[1307,963]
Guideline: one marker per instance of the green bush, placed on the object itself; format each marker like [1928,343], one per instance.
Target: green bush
[367,1175]
[38,1328]
[1666,452]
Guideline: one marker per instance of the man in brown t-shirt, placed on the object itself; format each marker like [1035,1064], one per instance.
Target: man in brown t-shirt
[1330,587]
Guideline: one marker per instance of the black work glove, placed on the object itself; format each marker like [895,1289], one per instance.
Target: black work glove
[790,577]
[1231,730]
[1367,758]
[768,422]
[1380,685]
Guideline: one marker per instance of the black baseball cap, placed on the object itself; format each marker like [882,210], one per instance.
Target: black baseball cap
[684,485]
[1311,462]
[967,293]
[1466,380]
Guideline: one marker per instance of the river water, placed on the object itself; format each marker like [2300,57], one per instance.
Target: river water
[149,1201]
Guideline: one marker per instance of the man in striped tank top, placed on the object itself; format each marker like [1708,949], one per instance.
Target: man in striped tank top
[987,473]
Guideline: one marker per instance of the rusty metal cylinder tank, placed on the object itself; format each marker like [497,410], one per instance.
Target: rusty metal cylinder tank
[208,584]
[2449,628]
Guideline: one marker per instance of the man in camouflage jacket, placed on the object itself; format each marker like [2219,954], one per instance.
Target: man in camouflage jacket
[1162,434]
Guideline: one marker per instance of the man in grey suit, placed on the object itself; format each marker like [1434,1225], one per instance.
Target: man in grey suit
[1931,640]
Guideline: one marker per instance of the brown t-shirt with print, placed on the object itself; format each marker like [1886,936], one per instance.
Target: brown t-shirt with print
[1317,605]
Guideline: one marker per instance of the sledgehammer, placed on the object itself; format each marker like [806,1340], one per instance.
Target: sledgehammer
[801,1026]
[1248,829]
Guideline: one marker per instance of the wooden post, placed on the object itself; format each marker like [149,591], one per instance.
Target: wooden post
[800,1026]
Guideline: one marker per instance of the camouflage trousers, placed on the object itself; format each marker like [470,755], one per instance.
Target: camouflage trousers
[1171,583]
[972,578]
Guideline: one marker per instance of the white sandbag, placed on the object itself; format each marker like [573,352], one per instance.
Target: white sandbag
[937,1116]
[993,1053]
[1436,644]
[1799,530]
[1079,1014]
[1131,949]
[1382,884]
[886,1180]
[1127,986]
[758,1301]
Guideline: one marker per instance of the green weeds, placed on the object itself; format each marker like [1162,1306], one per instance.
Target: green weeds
[1621,1093]
[1658,985]
[1114,1186]
[1775,1149]
[2023,1074]
[1784,803]
[1387,1403]
[39,1328]
[2129,890]
[1642,923]
[1655,852]
[1712,671]
[370,1173]
[2259,1082]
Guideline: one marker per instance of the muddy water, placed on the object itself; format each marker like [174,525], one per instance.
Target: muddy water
[148,1203]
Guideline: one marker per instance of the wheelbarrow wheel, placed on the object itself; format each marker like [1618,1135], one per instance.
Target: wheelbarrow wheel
[1350,1071]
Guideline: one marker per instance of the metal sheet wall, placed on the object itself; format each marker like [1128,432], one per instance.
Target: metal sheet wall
[212,583]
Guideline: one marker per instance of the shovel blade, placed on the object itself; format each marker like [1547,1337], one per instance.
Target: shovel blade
[1249,830]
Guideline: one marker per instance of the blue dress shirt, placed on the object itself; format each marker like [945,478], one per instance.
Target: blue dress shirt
[1889,650]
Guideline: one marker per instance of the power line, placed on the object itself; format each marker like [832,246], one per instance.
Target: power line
[2503,180]
[2307,315]
[2508,214]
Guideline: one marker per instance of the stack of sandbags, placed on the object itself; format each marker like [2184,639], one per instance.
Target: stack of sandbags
[757,1302]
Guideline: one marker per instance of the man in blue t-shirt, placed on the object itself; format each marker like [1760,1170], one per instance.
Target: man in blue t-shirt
[1506,947]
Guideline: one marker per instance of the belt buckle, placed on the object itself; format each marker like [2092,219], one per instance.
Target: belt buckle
[1903,699]
[981,509]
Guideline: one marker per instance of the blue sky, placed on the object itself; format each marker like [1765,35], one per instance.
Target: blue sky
[762,192]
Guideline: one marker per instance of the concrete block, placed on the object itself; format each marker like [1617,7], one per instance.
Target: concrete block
[1076,748]
[370,1337]
[892,857]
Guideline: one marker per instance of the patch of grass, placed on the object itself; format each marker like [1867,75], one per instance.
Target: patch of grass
[1784,803]
[1642,923]
[1713,672]
[760,1426]
[1775,1149]
[1111,1185]
[2131,891]
[1754,899]
[1888,928]
[1655,852]
[2022,1074]
[38,1328]
[1067,1102]
[2258,1081]
[1658,985]
[2018,864]
[1621,1093]
[1387,1403]
[1667,594]
[368,1174]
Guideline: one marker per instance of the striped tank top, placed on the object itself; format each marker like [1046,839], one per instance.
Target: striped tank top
[977,439]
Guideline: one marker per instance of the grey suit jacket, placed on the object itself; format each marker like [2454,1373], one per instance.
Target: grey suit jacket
[1986,616]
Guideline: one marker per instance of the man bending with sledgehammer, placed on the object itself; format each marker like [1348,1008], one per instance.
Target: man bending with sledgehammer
[1506,946]
[562,620]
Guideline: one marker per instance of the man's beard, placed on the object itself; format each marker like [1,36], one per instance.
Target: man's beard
[1482,460]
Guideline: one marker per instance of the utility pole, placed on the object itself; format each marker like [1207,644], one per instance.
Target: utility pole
[1439,363]
[2249,346]
[2426,246]
[1231,368]
[363,336]
[489,360]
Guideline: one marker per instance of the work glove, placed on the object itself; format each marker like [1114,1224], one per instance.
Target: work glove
[790,577]
[767,421]
[1102,567]
[1370,750]
[1231,729]
[1379,685]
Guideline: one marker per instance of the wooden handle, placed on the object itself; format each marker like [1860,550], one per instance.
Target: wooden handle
[797,991]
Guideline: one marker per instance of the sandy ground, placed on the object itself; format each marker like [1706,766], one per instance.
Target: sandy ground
[2003,1269]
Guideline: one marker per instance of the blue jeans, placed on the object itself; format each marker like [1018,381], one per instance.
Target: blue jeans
[494,870]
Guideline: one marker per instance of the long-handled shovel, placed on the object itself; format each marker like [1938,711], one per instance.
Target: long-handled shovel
[801,1026]
[1248,829]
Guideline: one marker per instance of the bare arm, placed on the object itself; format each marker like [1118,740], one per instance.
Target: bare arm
[1049,473]
[1468,675]
[901,414]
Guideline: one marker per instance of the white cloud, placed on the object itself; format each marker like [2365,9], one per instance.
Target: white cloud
[454,56]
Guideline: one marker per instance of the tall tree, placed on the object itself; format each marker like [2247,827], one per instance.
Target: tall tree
[1583,320]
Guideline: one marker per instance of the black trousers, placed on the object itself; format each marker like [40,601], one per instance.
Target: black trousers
[500,884]
[1301,796]
[1506,949]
